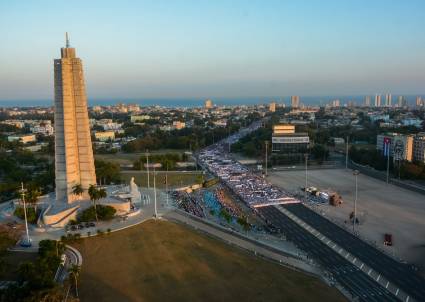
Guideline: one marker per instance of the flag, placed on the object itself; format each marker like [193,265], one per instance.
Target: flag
[387,143]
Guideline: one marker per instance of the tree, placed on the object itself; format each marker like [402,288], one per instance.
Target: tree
[74,270]
[102,193]
[77,189]
[32,197]
[320,152]
[94,196]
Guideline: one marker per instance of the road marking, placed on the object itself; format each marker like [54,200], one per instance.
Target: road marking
[328,242]
[354,260]
[388,283]
[396,292]
[369,271]
[346,256]
[361,266]
[407,299]
[379,277]
[340,250]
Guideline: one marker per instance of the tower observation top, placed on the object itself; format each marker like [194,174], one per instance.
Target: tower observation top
[67,40]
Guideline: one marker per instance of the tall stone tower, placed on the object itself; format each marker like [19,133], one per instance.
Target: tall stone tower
[73,149]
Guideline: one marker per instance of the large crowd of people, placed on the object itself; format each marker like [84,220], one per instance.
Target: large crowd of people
[231,208]
[189,203]
[254,190]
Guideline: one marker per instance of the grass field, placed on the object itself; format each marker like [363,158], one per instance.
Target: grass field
[174,179]
[9,261]
[164,261]
[130,158]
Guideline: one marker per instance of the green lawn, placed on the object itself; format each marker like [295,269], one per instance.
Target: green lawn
[9,261]
[174,179]
[164,261]
[130,158]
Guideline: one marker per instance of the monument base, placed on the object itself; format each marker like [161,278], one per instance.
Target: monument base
[58,215]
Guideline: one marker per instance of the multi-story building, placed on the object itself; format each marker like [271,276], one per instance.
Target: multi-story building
[400,145]
[104,136]
[289,144]
[23,138]
[377,100]
[208,104]
[388,100]
[43,127]
[367,101]
[419,101]
[295,101]
[139,118]
[16,123]
[178,125]
[419,147]
[401,101]
[335,103]
[272,107]
[416,122]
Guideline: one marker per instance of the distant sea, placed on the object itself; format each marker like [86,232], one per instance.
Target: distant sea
[198,102]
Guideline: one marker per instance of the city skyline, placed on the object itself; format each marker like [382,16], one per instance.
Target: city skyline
[197,50]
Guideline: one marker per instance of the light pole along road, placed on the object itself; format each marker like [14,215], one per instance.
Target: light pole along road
[355,173]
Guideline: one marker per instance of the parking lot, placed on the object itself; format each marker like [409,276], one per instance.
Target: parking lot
[381,208]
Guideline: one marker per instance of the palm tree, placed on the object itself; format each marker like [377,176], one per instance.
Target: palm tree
[74,270]
[77,190]
[102,193]
[32,197]
[94,196]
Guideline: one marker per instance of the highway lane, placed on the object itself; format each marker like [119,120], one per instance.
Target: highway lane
[401,274]
[348,275]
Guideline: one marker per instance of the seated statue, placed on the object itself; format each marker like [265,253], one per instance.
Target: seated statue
[134,191]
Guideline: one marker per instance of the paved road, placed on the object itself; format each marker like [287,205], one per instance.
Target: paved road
[348,275]
[401,274]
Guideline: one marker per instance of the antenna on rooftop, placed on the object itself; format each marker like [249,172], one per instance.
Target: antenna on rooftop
[67,40]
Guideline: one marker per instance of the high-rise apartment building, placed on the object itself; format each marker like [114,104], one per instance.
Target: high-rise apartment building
[295,101]
[367,101]
[419,101]
[74,162]
[208,104]
[377,100]
[272,107]
[388,100]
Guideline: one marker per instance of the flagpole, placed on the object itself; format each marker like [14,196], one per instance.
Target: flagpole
[28,242]
[166,184]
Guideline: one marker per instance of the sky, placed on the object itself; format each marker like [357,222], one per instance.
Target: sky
[175,49]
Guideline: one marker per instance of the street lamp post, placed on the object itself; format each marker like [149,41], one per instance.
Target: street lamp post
[305,187]
[166,184]
[346,153]
[388,163]
[355,173]
[267,145]
[154,190]
[26,243]
[147,165]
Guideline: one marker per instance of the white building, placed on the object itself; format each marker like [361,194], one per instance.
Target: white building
[419,147]
[43,127]
[23,138]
